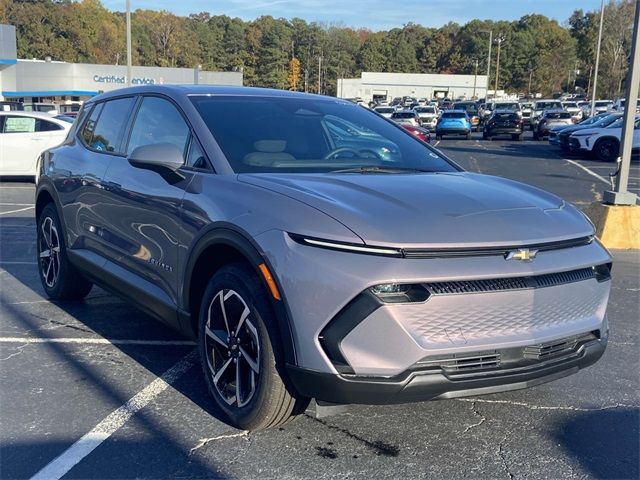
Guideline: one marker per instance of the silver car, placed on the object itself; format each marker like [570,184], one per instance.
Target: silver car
[350,265]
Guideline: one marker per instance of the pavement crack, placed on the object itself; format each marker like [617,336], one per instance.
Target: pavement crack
[378,447]
[548,407]
[476,412]
[205,441]
[15,354]
[503,458]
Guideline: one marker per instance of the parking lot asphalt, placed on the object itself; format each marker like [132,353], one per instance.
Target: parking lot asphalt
[66,367]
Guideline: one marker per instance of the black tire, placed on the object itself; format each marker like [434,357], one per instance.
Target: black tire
[516,137]
[535,136]
[270,401]
[438,137]
[485,136]
[606,150]
[468,136]
[60,279]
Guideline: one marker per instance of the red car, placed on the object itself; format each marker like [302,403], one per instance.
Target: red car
[421,133]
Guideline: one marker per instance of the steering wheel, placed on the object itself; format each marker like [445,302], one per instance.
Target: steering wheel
[339,150]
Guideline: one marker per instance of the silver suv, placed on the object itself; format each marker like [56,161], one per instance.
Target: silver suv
[320,251]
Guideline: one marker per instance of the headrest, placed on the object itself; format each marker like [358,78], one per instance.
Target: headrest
[270,146]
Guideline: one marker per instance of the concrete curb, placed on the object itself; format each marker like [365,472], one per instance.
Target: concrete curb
[617,226]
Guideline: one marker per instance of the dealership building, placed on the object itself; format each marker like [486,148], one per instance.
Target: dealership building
[386,86]
[48,80]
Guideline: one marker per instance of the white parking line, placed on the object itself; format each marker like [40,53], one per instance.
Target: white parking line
[2,262]
[18,210]
[590,172]
[95,341]
[16,204]
[112,422]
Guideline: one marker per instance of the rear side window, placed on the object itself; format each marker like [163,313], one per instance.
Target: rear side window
[109,129]
[19,124]
[45,126]
[158,121]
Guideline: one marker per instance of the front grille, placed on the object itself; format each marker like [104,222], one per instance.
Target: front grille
[454,363]
[516,283]
[490,362]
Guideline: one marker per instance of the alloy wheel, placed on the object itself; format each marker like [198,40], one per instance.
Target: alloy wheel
[232,347]
[49,255]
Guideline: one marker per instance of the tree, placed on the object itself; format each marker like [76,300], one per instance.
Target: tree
[294,74]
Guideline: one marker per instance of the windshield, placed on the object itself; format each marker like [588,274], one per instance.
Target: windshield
[557,115]
[546,105]
[425,110]
[404,115]
[506,106]
[469,107]
[453,115]
[569,104]
[385,109]
[603,104]
[310,135]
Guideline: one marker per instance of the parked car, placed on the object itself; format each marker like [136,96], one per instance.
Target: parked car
[428,116]
[503,122]
[309,270]
[574,110]
[539,107]
[619,105]
[386,112]
[550,119]
[603,143]
[453,122]
[599,120]
[527,110]
[41,107]
[23,137]
[407,116]
[472,111]
[421,133]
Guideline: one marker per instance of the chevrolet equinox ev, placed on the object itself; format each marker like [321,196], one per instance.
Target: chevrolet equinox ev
[317,250]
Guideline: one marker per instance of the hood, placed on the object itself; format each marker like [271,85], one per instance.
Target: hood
[433,210]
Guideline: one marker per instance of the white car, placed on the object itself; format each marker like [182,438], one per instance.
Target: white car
[386,112]
[574,110]
[604,143]
[23,137]
[428,116]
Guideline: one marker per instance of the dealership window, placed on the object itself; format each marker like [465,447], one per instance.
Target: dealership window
[109,129]
[158,121]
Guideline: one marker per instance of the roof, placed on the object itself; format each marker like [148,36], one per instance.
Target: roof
[185,90]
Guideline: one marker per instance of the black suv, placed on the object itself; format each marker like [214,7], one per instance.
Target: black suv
[503,122]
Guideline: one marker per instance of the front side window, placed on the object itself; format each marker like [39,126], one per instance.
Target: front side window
[308,135]
[158,121]
[109,129]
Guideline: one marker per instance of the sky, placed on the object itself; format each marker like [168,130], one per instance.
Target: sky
[371,14]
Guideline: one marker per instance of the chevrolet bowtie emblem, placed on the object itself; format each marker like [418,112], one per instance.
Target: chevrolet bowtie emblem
[522,254]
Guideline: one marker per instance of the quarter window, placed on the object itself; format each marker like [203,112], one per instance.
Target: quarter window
[90,125]
[107,136]
[158,121]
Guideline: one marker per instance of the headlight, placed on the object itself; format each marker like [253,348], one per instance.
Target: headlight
[400,292]
[346,247]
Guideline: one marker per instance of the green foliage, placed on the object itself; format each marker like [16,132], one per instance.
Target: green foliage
[534,46]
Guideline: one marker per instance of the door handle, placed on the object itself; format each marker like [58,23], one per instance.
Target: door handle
[37,139]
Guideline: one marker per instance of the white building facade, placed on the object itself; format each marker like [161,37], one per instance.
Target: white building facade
[386,86]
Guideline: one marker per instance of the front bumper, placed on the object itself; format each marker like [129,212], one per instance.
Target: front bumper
[440,383]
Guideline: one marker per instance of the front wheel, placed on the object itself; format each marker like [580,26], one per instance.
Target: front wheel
[606,150]
[60,279]
[241,353]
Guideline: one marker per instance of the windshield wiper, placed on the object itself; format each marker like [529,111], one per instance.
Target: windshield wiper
[378,169]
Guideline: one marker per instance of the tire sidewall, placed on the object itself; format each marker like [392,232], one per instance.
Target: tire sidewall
[49,211]
[235,278]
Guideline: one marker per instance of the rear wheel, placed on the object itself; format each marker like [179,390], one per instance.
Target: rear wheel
[241,354]
[60,279]
[535,135]
[606,150]
[468,136]
[516,137]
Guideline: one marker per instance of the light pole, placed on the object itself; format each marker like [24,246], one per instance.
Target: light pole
[530,65]
[621,196]
[128,15]
[475,80]
[499,40]
[490,32]
[595,74]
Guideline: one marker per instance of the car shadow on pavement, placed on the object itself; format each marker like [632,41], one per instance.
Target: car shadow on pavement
[586,436]
[110,318]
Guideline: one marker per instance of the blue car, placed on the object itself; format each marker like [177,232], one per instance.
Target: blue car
[453,122]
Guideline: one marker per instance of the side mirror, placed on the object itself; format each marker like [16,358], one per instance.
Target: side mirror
[162,158]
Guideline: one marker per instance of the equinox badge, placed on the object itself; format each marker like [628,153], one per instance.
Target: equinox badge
[522,254]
